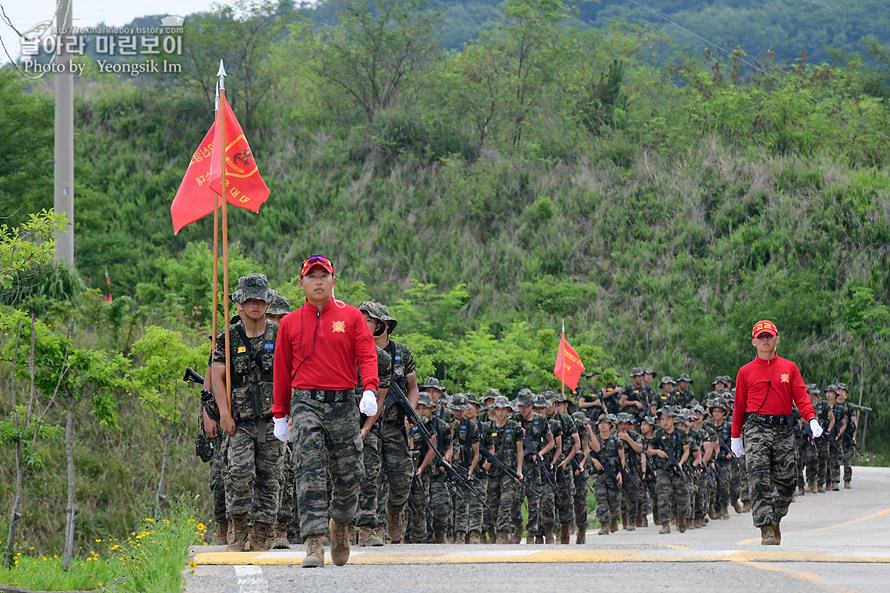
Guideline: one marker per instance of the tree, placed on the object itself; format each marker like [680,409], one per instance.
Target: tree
[26,247]
[163,356]
[377,50]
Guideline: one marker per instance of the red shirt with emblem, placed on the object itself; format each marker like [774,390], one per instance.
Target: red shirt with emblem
[320,349]
[768,387]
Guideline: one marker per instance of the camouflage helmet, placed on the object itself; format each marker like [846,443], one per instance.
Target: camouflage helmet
[549,396]
[425,399]
[648,371]
[610,418]
[842,386]
[624,417]
[541,401]
[831,387]
[636,372]
[685,377]
[649,420]
[501,402]
[279,305]
[580,418]
[491,394]
[668,379]
[667,411]
[380,313]
[717,404]
[459,401]
[472,399]
[525,398]
[432,382]
[682,416]
[560,397]
[252,286]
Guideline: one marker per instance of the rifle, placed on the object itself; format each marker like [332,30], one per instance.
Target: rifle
[628,475]
[415,419]
[808,433]
[672,461]
[849,438]
[564,487]
[203,443]
[610,472]
[735,461]
[577,467]
[496,461]
[530,446]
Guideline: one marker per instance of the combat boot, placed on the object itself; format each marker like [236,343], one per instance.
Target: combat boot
[812,486]
[613,524]
[768,536]
[539,539]
[777,532]
[581,537]
[238,539]
[394,526]
[449,538]
[665,527]
[821,488]
[697,523]
[339,542]
[259,537]
[604,529]
[502,537]
[724,514]
[835,486]
[644,520]
[655,517]
[460,537]
[712,512]
[631,526]
[278,538]
[624,521]
[801,491]
[737,506]
[439,537]
[221,537]
[364,534]
[314,552]
[376,537]
[847,485]
[746,506]
[564,534]
[474,538]
[516,537]
[548,537]
[492,536]
[681,523]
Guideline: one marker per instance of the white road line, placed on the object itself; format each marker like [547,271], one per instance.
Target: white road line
[250,579]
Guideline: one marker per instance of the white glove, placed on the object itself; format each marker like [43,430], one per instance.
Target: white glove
[816,428]
[737,448]
[368,405]
[282,432]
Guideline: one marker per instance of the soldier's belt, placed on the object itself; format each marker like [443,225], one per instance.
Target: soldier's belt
[253,378]
[327,396]
[773,420]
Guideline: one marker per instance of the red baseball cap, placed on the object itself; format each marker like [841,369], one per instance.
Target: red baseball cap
[317,260]
[764,326]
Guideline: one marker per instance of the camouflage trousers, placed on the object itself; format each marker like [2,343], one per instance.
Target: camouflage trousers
[672,492]
[417,524]
[834,461]
[328,443]
[580,499]
[808,458]
[565,498]
[502,491]
[396,469]
[531,475]
[441,508]
[629,504]
[652,492]
[253,472]
[699,503]
[822,460]
[217,476]
[476,510]
[546,505]
[744,482]
[771,469]
[847,457]
[724,469]
[287,499]
[608,497]
[468,508]
[366,515]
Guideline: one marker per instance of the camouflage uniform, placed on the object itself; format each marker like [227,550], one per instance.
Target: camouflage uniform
[366,516]
[579,479]
[565,484]
[441,508]
[673,494]
[821,408]
[254,456]
[420,488]
[724,466]
[537,430]
[606,489]
[502,489]
[547,508]
[632,510]
[466,434]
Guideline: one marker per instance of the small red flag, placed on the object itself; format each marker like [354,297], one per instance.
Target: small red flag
[568,367]
[195,198]
[244,186]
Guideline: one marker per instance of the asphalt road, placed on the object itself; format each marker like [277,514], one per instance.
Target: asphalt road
[837,541]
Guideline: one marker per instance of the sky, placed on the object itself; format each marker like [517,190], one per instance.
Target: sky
[86,13]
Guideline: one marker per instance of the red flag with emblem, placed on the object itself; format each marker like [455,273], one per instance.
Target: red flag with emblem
[568,367]
[244,186]
[196,195]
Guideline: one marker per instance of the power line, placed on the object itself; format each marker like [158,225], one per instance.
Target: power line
[5,18]
[754,66]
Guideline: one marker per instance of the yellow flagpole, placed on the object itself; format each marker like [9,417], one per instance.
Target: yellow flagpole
[213,322]
[562,339]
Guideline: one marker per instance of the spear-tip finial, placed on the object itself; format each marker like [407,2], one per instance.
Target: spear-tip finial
[221,73]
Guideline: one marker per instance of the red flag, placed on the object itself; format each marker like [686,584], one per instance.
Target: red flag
[107,287]
[246,189]
[568,367]
[244,186]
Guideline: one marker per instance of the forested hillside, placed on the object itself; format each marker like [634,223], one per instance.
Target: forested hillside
[544,172]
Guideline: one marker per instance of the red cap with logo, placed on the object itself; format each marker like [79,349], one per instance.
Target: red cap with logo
[317,260]
[764,326]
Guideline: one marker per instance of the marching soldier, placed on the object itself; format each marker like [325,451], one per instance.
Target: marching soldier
[504,440]
[673,495]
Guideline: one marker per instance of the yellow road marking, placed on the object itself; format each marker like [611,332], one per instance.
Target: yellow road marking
[748,542]
[808,577]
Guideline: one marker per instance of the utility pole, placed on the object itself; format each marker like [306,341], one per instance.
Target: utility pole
[63,183]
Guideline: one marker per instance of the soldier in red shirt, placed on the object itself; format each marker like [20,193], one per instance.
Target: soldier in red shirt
[318,349]
[765,390]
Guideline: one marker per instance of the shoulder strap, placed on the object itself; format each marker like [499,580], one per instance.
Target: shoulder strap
[256,355]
